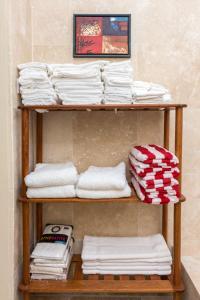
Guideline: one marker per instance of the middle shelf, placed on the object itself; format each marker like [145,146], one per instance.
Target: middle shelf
[133,199]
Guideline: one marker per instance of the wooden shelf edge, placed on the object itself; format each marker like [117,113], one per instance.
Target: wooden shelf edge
[101,286]
[136,106]
[132,199]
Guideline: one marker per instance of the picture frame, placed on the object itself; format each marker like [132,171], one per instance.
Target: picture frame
[102,35]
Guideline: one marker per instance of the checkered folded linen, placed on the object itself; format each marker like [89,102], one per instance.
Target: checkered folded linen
[154,171]
[154,154]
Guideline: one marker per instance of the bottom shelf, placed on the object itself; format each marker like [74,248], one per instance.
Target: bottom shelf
[88,284]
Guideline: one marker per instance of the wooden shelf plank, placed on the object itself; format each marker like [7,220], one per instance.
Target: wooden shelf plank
[101,286]
[138,106]
[133,199]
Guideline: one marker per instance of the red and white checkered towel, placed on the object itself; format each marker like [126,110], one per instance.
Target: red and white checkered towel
[143,172]
[156,183]
[153,154]
[153,199]
[144,166]
[156,176]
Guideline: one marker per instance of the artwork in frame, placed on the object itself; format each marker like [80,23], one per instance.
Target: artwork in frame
[102,35]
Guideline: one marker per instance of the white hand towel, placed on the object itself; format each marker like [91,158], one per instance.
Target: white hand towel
[92,194]
[104,248]
[50,174]
[63,191]
[103,178]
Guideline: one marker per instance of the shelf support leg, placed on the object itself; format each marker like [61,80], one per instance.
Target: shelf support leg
[177,207]
[25,207]
[39,154]
[166,145]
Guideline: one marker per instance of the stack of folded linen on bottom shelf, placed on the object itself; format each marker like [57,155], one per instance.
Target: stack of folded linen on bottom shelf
[148,92]
[35,85]
[126,255]
[52,254]
[103,182]
[118,82]
[155,171]
[51,180]
[78,84]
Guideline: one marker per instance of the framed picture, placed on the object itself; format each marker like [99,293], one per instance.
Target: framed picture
[102,35]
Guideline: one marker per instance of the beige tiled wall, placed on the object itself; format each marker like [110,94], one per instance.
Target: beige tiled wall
[165,49]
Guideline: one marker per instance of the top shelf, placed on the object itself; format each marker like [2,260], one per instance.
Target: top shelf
[98,107]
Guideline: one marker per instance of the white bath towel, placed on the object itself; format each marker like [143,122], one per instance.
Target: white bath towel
[106,248]
[53,243]
[128,272]
[63,191]
[103,178]
[51,174]
[35,65]
[166,260]
[95,194]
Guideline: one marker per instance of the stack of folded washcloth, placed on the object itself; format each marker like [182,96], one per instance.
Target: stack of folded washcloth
[154,172]
[52,254]
[118,82]
[50,180]
[78,84]
[126,255]
[34,84]
[148,92]
[103,182]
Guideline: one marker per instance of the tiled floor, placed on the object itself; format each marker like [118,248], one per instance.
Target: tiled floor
[192,277]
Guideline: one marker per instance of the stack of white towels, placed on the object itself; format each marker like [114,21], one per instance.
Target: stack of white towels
[78,84]
[34,84]
[52,255]
[126,255]
[103,182]
[148,92]
[118,80]
[52,180]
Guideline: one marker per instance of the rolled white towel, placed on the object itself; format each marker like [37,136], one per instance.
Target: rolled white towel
[51,174]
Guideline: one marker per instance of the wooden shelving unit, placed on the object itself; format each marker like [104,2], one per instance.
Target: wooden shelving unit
[77,282]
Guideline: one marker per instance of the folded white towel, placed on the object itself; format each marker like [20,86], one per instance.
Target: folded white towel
[61,263]
[63,191]
[51,174]
[92,194]
[103,178]
[166,260]
[48,277]
[124,266]
[35,65]
[54,242]
[104,248]
[128,272]
[38,102]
